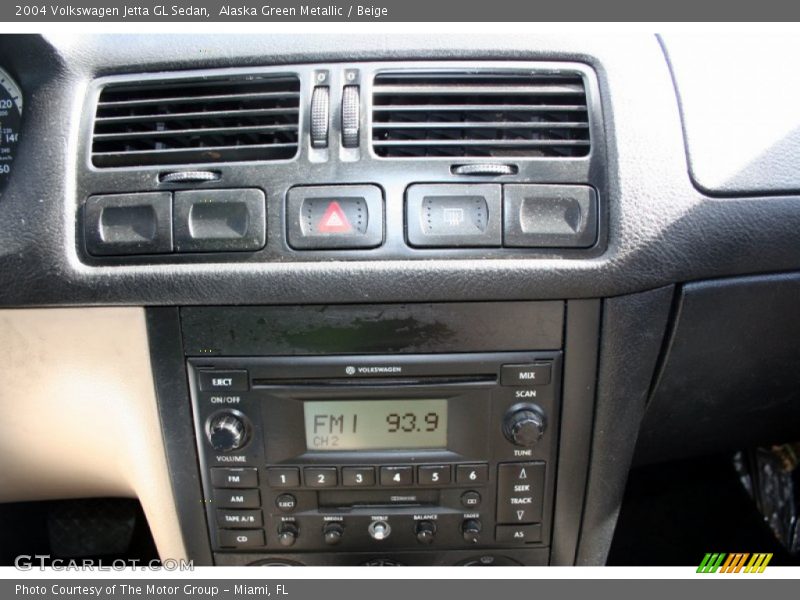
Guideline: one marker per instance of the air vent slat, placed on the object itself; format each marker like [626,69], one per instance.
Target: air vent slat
[207,120]
[479,107]
[472,90]
[192,132]
[485,142]
[478,125]
[114,104]
[480,114]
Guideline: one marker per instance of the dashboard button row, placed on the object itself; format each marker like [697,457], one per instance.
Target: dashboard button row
[387,476]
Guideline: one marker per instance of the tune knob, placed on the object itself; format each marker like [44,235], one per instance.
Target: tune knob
[333,533]
[226,432]
[471,530]
[524,425]
[287,534]
[426,531]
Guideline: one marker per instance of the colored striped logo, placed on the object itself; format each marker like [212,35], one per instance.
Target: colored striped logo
[734,563]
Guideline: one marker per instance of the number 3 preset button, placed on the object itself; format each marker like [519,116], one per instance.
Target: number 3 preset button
[395,476]
[320,477]
[358,476]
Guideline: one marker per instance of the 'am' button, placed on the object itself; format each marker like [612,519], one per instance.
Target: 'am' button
[219,381]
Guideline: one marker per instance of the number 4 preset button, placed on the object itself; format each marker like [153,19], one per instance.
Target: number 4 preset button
[395,476]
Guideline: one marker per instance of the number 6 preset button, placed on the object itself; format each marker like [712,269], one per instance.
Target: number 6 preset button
[395,476]
[320,477]
[358,476]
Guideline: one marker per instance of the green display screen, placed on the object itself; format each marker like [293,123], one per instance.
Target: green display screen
[375,424]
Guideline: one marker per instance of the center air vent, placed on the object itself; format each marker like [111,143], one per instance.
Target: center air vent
[197,121]
[419,115]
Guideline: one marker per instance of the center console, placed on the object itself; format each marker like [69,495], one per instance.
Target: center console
[386,434]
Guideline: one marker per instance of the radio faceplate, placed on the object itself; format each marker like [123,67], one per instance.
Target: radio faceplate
[439,453]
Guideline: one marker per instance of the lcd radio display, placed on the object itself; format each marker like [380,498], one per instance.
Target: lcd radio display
[375,424]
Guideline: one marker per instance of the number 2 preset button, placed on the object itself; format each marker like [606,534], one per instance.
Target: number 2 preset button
[394,476]
[283,477]
[320,477]
[358,476]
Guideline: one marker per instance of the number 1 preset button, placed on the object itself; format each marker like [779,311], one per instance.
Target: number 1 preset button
[358,476]
[395,476]
[321,477]
[283,477]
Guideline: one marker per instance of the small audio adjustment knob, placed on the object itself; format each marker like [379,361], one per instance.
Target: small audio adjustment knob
[226,432]
[524,425]
[379,530]
[287,534]
[426,531]
[333,532]
[471,530]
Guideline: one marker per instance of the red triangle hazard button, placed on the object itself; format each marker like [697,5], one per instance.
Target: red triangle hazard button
[334,220]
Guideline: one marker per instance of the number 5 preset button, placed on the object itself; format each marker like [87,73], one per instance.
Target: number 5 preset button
[320,477]
[394,476]
[358,476]
[433,475]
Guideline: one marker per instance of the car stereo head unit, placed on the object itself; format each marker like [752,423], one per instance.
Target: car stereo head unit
[431,459]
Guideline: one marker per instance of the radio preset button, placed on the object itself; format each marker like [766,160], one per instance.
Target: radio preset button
[320,477]
[472,473]
[239,519]
[470,499]
[518,534]
[520,492]
[524,375]
[286,503]
[283,477]
[397,476]
[433,474]
[358,476]
[234,478]
[237,498]
[252,538]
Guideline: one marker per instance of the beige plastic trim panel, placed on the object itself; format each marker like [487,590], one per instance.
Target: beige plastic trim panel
[78,414]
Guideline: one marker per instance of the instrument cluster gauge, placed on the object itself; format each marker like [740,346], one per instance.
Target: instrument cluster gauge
[10,119]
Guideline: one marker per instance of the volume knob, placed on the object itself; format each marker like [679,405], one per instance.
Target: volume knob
[524,425]
[227,432]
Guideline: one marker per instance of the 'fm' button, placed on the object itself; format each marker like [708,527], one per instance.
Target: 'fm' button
[531,374]
[223,381]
